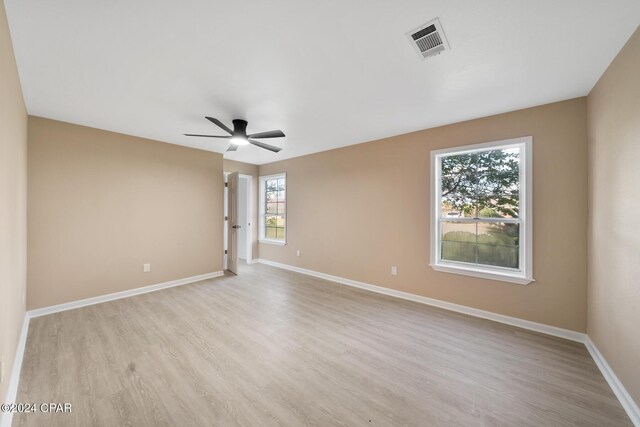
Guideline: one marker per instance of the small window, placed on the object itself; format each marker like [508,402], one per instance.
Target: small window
[273,209]
[481,210]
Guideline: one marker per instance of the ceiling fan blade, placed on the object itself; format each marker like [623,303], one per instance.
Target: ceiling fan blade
[219,124]
[265,146]
[207,136]
[232,147]
[269,134]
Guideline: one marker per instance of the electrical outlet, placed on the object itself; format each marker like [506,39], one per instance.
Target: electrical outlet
[298,252]
[146,268]
[394,270]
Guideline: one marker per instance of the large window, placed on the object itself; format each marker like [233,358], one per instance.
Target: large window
[481,210]
[273,209]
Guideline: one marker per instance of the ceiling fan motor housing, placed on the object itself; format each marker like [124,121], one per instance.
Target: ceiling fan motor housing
[240,128]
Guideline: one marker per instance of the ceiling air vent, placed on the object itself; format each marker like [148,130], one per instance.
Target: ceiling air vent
[429,39]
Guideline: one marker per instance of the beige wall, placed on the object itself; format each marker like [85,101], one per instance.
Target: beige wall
[102,204]
[614,224]
[248,169]
[356,211]
[13,204]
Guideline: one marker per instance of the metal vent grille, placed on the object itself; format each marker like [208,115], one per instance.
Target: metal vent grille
[429,39]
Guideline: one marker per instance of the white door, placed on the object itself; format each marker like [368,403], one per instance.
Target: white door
[232,223]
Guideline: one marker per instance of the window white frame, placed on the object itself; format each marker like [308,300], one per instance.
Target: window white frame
[263,211]
[523,275]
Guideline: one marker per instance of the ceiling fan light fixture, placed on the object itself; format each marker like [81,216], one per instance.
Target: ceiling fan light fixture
[238,136]
[238,140]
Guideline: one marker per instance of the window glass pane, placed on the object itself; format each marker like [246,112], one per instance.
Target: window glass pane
[458,251]
[274,227]
[270,232]
[498,244]
[271,221]
[499,233]
[481,184]
[481,243]
[500,206]
[459,231]
[457,210]
[272,208]
[458,242]
[501,256]
[282,208]
[271,197]
[271,190]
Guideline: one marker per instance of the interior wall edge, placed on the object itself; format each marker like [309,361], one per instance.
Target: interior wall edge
[613,228]
[14,380]
[630,406]
[13,203]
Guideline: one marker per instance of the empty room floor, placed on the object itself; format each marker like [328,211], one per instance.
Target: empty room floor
[272,347]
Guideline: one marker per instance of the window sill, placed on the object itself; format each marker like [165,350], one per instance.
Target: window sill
[273,242]
[483,274]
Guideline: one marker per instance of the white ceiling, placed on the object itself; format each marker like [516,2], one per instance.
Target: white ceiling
[328,73]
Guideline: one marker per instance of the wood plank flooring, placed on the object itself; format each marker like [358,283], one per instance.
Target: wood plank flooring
[276,348]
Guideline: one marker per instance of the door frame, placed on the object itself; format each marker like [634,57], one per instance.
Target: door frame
[250,227]
[249,230]
[225,217]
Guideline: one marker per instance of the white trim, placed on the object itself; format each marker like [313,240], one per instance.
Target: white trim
[629,405]
[524,275]
[118,295]
[627,402]
[481,273]
[12,391]
[500,318]
[7,417]
[273,242]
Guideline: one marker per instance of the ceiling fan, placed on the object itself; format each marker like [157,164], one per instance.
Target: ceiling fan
[238,136]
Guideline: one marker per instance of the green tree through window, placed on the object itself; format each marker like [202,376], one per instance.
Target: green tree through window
[482,183]
[273,207]
[480,187]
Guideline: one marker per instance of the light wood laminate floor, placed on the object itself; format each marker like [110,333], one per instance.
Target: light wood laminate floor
[276,348]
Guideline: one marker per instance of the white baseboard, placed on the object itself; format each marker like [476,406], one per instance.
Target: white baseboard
[513,321]
[118,295]
[627,402]
[621,393]
[12,391]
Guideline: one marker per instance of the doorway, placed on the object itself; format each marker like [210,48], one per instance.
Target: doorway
[242,228]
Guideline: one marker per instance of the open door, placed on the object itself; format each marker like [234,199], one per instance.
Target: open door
[232,223]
